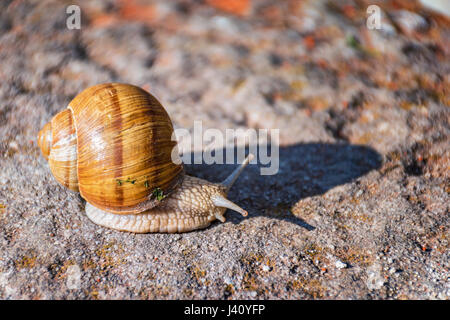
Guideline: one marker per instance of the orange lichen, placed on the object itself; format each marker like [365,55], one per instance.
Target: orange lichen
[28,261]
[136,11]
[355,256]
[198,274]
[229,290]
[309,42]
[109,256]
[317,103]
[104,20]
[250,282]
[238,7]
[312,287]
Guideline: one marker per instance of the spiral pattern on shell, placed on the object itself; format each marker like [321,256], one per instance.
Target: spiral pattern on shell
[113,144]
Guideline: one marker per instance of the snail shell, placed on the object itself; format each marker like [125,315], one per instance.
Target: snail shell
[113,144]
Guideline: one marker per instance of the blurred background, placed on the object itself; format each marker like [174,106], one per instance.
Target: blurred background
[359,208]
[249,63]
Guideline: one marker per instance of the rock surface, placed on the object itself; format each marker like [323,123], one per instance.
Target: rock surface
[359,208]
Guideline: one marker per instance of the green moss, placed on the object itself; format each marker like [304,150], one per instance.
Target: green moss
[158,194]
[353,42]
[129,180]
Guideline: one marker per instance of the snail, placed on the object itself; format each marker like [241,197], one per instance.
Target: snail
[113,144]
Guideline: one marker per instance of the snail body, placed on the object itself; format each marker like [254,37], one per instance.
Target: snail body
[113,144]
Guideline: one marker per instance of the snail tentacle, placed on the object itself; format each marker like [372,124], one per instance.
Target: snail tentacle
[228,182]
[223,202]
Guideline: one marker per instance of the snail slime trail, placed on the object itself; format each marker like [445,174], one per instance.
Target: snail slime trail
[113,144]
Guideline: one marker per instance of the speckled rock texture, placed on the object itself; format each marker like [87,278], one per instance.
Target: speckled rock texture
[359,208]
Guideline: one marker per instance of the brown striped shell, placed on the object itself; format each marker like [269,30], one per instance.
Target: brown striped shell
[113,144]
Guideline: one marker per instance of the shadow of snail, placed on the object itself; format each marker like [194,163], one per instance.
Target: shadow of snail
[305,170]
